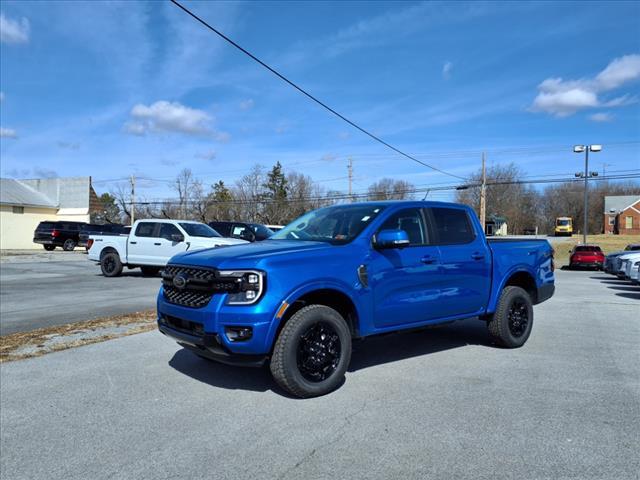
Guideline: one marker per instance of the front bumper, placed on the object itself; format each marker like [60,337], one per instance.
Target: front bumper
[211,321]
[209,345]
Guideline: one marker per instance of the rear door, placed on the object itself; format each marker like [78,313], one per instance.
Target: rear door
[405,281]
[465,261]
[141,248]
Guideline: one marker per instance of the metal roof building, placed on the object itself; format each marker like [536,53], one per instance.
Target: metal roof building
[26,203]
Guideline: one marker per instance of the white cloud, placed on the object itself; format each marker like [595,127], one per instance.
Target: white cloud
[68,145]
[246,104]
[14,31]
[8,133]
[601,117]
[446,70]
[208,155]
[163,116]
[562,98]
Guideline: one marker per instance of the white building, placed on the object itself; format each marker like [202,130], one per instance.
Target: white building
[26,203]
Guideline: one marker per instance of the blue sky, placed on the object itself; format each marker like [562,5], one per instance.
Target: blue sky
[113,89]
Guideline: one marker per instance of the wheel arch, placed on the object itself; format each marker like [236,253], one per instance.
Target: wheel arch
[330,295]
[519,276]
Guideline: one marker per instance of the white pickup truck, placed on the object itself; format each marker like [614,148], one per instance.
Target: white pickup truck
[151,244]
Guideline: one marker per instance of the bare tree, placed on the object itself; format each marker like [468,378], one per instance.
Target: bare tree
[182,186]
[390,189]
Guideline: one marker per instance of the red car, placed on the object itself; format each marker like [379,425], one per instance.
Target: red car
[586,256]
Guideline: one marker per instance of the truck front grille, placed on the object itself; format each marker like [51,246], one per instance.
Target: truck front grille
[197,289]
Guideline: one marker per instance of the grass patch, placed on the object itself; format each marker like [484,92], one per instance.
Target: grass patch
[52,339]
[608,243]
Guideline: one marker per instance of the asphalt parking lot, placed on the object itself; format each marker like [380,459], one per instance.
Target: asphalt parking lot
[440,403]
[40,289]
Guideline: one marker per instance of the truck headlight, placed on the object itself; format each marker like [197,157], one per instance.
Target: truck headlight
[249,286]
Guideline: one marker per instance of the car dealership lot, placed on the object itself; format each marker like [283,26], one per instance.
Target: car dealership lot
[440,403]
[41,289]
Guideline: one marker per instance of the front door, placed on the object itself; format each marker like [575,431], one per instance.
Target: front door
[165,245]
[405,281]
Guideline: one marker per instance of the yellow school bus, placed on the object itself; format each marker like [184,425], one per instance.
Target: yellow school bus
[564,227]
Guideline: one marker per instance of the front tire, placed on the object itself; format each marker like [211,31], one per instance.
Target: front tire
[110,264]
[69,245]
[49,248]
[512,322]
[312,352]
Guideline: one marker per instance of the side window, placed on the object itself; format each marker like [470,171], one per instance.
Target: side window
[239,230]
[145,229]
[409,220]
[168,229]
[452,226]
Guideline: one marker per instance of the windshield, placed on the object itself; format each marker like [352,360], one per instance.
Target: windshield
[633,247]
[563,223]
[261,230]
[199,230]
[336,225]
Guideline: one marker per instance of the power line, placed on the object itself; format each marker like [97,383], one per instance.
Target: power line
[365,195]
[304,92]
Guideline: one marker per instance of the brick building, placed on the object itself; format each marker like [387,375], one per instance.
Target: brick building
[622,214]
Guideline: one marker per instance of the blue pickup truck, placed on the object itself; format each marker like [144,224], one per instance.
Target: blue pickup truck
[349,271]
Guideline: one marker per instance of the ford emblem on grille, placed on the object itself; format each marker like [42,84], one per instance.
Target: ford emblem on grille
[180,281]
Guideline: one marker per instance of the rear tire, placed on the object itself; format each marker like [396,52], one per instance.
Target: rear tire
[68,245]
[150,271]
[511,324]
[49,248]
[312,352]
[110,264]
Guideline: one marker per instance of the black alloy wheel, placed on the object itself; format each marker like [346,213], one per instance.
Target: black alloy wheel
[518,317]
[318,353]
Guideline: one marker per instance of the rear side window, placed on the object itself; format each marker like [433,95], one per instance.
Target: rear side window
[452,226]
[145,229]
[409,220]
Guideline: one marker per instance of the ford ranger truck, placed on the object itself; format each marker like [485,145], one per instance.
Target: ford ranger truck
[298,299]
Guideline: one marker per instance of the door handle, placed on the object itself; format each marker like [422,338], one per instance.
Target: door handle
[428,259]
[133,243]
[477,256]
[157,243]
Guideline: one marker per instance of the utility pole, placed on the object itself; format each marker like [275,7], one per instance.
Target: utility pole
[350,170]
[133,199]
[483,196]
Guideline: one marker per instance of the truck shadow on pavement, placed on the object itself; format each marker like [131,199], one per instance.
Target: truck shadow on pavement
[367,353]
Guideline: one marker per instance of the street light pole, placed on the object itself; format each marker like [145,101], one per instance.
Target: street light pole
[586,149]
[586,195]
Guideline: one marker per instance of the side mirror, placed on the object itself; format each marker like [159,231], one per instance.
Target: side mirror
[248,236]
[391,239]
[177,237]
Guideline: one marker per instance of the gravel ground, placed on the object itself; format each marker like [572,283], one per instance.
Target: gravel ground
[440,403]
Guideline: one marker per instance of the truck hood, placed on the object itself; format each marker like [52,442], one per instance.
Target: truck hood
[250,255]
[198,243]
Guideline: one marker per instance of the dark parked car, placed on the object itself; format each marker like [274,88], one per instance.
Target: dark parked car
[92,229]
[58,234]
[586,256]
[252,232]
